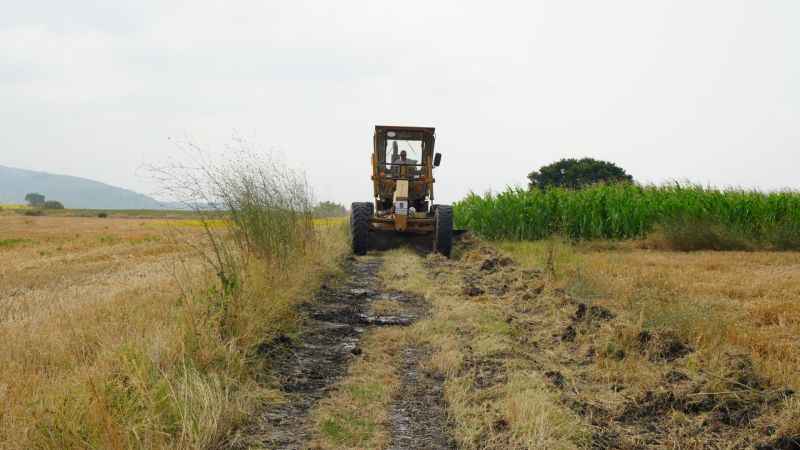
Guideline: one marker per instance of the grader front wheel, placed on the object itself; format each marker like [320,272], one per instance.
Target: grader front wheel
[443,229]
[359,226]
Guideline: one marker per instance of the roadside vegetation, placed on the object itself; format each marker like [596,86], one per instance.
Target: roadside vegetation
[642,327]
[329,209]
[699,347]
[682,217]
[139,333]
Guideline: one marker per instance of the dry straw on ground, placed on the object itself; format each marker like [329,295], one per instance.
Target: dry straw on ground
[136,333]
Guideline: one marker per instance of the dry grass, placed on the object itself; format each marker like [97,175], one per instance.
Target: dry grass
[110,335]
[750,301]
[496,398]
[723,305]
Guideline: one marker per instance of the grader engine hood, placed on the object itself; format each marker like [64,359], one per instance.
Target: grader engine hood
[401,205]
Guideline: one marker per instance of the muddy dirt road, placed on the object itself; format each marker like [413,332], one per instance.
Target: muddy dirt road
[309,366]
[493,355]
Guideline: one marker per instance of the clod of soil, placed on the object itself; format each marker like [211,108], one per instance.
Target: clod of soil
[781,443]
[500,425]
[487,372]
[592,313]
[674,376]
[662,345]
[492,263]
[499,290]
[651,404]
[580,313]
[600,313]
[530,294]
[733,399]
[555,377]
[586,409]
[605,439]
[569,334]
[740,371]
[748,394]
[473,291]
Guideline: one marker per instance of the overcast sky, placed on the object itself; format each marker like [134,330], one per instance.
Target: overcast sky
[707,91]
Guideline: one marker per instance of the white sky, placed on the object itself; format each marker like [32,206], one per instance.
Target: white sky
[702,90]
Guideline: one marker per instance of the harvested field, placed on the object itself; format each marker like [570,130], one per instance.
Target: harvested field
[111,337]
[76,291]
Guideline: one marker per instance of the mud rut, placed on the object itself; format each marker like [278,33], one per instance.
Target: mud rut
[308,367]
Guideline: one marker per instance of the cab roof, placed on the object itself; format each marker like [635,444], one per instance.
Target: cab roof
[406,133]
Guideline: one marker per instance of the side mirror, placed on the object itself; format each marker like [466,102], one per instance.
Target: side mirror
[437,159]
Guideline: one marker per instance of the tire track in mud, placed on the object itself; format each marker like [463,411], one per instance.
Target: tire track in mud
[418,414]
[307,368]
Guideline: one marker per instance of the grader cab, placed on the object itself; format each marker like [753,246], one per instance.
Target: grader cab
[403,160]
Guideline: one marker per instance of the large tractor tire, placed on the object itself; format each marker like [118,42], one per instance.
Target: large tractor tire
[443,229]
[359,226]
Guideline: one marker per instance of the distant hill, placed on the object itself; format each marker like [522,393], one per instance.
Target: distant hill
[72,192]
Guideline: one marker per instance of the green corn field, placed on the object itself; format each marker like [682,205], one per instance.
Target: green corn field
[629,211]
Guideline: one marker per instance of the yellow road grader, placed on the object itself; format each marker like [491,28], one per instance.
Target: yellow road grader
[403,160]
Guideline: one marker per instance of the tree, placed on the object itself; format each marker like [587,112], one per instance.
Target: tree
[53,204]
[34,199]
[329,209]
[577,173]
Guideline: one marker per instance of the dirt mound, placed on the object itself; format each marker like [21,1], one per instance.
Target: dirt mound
[734,398]
[781,443]
[493,262]
[487,372]
[742,395]
[556,378]
[675,376]
[662,345]
[569,334]
[740,372]
[592,313]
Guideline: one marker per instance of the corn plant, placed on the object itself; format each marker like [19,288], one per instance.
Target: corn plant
[629,211]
